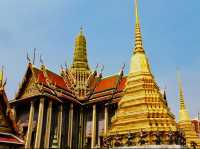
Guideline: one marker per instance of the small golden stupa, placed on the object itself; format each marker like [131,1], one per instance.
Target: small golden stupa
[184,122]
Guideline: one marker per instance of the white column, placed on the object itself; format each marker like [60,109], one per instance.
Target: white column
[39,124]
[30,126]
[48,125]
[93,142]
[106,120]
[60,125]
[70,129]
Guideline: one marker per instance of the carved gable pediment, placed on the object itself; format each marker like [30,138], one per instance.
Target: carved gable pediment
[30,89]
[28,86]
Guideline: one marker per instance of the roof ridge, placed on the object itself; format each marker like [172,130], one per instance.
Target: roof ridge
[109,76]
[48,70]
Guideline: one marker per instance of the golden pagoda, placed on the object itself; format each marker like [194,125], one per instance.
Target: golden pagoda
[184,122]
[142,106]
[80,69]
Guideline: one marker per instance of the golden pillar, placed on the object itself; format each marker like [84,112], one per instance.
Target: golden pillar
[70,129]
[39,124]
[93,142]
[48,125]
[30,126]
[106,120]
[60,113]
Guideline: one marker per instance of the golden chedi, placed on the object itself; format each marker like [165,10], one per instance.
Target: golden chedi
[184,122]
[142,106]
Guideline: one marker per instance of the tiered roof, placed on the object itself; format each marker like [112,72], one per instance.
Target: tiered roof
[46,82]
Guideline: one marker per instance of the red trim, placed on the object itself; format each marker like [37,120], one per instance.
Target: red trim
[10,140]
[122,84]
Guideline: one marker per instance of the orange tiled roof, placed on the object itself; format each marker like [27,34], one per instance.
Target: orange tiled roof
[53,78]
[103,88]
[106,83]
[110,83]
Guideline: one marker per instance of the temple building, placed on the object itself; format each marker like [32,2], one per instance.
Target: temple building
[72,109]
[9,136]
[79,108]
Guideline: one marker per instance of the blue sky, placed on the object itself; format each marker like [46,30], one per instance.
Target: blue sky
[170,31]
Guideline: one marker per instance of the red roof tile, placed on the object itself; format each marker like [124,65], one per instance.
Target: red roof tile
[56,79]
[122,84]
[110,83]
[53,78]
[106,83]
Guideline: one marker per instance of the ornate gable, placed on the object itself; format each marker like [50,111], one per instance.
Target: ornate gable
[28,86]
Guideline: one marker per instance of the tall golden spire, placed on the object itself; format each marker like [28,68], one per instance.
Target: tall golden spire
[139,61]
[138,35]
[80,68]
[80,52]
[182,102]
[183,113]
[81,30]
[140,106]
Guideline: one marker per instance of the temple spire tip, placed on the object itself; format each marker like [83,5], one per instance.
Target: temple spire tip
[136,12]
[81,30]
[138,35]
[2,82]
[1,75]
[182,102]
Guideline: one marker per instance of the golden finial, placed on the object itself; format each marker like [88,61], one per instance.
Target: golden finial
[1,77]
[42,62]
[81,30]
[138,35]
[182,103]
[136,12]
